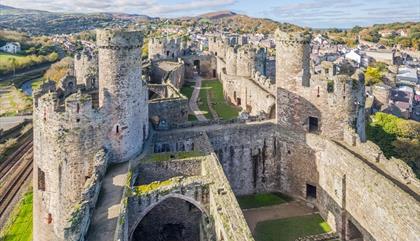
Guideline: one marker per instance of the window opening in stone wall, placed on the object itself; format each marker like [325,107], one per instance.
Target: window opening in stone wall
[214,73]
[313,124]
[173,55]
[78,108]
[49,218]
[41,180]
[45,114]
[78,120]
[317,95]
[330,86]
[238,101]
[117,129]
[167,53]
[310,191]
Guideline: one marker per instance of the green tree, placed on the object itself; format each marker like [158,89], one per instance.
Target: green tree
[373,76]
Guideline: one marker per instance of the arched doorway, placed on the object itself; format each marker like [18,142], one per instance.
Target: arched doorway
[175,218]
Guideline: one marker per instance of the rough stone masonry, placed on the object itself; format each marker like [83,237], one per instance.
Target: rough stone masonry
[313,147]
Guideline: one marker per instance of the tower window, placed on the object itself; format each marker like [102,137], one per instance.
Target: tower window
[117,129]
[313,124]
[310,191]
[77,107]
[41,180]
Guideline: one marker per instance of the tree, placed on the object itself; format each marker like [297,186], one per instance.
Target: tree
[373,76]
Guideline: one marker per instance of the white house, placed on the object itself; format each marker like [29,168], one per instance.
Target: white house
[11,47]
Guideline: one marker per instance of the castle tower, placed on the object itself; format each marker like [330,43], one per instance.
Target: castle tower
[122,93]
[86,69]
[325,103]
[292,60]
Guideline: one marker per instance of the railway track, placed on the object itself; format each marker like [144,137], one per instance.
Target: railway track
[20,166]
[14,158]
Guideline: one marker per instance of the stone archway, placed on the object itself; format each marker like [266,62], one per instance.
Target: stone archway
[173,217]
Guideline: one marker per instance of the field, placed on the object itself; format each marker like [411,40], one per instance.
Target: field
[19,226]
[262,200]
[214,89]
[13,100]
[10,62]
[289,229]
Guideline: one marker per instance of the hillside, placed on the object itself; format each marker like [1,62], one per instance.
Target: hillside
[244,24]
[217,15]
[45,23]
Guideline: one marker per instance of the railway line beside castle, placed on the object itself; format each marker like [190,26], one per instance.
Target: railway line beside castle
[15,171]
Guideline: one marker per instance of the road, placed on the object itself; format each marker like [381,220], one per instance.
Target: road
[39,68]
[11,121]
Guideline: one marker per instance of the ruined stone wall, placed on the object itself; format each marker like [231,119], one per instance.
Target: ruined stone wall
[86,69]
[170,110]
[122,91]
[207,65]
[335,101]
[249,156]
[252,96]
[66,139]
[168,71]
[385,209]
[166,48]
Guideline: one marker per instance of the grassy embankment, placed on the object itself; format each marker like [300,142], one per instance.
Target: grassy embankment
[19,226]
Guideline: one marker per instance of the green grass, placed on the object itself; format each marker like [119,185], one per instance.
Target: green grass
[202,103]
[262,200]
[219,104]
[187,89]
[192,117]
[289,229]
[37,83]
[19,226]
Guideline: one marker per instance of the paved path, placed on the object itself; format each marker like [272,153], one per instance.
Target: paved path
[12,121]
[285,210]
[194,97]
[107,211]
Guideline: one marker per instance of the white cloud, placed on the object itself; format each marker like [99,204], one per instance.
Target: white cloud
[148,7]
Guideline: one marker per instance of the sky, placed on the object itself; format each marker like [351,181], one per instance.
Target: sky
[308,13]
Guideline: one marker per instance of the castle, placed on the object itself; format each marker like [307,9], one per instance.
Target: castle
[183,180]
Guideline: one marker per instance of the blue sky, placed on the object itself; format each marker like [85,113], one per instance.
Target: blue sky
[311,13]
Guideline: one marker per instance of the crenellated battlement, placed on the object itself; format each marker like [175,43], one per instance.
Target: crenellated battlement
[292,38]
[119,39]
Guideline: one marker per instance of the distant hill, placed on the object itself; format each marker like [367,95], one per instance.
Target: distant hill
[7,10]
[46,23]
[245,24]
[217,15]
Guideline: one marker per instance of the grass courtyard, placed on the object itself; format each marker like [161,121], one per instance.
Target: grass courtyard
[214,89]
[289,229]
[262,200]
[19,226]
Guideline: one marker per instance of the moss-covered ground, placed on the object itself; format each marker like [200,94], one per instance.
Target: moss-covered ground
[289,229]
[262,200]
[19,226]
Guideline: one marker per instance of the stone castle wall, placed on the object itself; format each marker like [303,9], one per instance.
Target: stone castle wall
[166,48]
[242,71]
[336,101]
[86,69]
[122,92]
[168,71]
[66,140]
[383,210]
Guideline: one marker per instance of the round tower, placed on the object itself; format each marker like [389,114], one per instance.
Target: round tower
[86,69]
[292,60]
[122,93]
